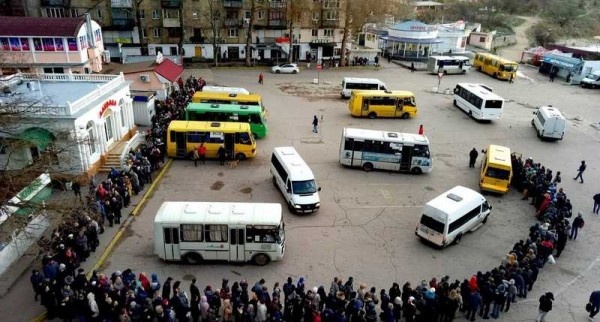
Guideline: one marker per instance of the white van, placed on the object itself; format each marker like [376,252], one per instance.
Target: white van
[452,214]
[549,123]
[295,180]
[224,89]
[592,80]
[351,83]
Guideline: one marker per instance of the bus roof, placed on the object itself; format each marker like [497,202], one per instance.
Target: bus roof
[551,112]
[499,155]
[224,108]
[225,89]
[386,136]
[298,169]
[365,92]
[454,199]
[500,59]
[481,90]
[215,126]
[450,57]
[198,96]
[219,213]
[362,80]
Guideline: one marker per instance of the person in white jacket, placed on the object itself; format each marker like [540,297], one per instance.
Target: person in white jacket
[261,311]
[93,305]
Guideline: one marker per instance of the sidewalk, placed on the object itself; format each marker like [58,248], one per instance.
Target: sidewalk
[15,288]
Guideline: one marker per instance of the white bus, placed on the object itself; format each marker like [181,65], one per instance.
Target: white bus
[448,64]
[224,89]
[371,149]
[237,232]
[452,214]
[478,101]
[352,83]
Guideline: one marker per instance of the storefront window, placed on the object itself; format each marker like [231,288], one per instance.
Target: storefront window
[91,137]
[122,106]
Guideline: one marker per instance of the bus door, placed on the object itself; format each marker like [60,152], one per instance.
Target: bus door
[399,107]
[237,249]
[355,157]
[181,144]
[171,238]
[364,109]
[406,159]
[229,145]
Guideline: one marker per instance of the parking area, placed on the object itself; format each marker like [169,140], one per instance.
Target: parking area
[365,227]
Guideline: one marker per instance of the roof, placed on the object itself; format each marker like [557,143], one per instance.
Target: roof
[221,89]
[362,80]
[292,160]
[203,97]
[200,125]
[169,70]
[551,111]
[451,205]
[562,61]
[40,26]
[367,92]
[412,40]
[219,212]
[385,135]
[481,90]
[499,155]
[224,108]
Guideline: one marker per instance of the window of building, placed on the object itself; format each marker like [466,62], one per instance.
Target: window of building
[233,32]
[99,13]
[481,39]
[144,33]
[331,15]
[328,32]
[142,14]
[155,14]
[261,14]
[156,32]
[315,16]
[195,14]
[122,106]
[315,32]
[91,137]
[248,14]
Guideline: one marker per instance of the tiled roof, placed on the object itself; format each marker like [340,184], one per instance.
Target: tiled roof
[40,26]
[169,70]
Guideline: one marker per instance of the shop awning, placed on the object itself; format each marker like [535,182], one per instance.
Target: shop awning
[41,138]
[412,40]
[563,61]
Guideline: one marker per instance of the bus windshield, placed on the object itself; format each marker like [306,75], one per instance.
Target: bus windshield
[508,68]
[493,104]
[497,173]
[421,151]
[264,234]
[432,224]
[304,187]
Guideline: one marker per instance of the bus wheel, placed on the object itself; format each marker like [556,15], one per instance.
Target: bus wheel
[496,75]
[457,239]
[240,156]
[416,171]
[405,116]
[368,166]
[260,259]
[192,258]
[470,113]
[372,115]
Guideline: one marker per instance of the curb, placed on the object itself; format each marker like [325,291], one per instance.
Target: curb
[117,237]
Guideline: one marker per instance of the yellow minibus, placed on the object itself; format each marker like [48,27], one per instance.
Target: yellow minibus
[185,136]
[496,169]
[373,104]
[495,66]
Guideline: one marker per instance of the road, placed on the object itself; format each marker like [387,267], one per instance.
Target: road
[365,228]
[514,52]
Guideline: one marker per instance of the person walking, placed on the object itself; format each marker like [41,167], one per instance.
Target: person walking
[260,78]
[578,223]
[221,154]
[376,61]
[510,80]
[545,306]
[594,304]
[202,153]
[596,199]
[315,124]
[580,172]
[473,157]
[412,67]
[195,157]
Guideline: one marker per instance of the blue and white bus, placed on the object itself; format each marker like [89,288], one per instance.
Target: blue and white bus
[371,149]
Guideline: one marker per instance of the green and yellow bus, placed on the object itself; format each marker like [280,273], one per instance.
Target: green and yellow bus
[227,98]
[252,114]
[185,136]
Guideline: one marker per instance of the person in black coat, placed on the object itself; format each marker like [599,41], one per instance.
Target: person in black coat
[166,289]
[221,153]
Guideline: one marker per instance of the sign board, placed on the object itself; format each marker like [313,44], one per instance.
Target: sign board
[440,75]
[319,67]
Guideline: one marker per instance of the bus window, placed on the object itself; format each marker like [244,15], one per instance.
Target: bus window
[244,138]
[194,137]
[493,104]
[263,234]
[255,119]
[348,144]
[421,151]
[215,233]
[410,101]
[172,135]
[497,173]
[432,224]
[191,233]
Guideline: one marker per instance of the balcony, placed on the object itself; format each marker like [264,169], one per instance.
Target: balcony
[330,23]
[170,4]
[278,23]
[233,3]
[233,23]
[123,23]
[54,3]
[171,23]
[278,4]
[121,3]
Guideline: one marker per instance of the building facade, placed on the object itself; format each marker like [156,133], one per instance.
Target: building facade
[42,45]
[191,25]
[70,121]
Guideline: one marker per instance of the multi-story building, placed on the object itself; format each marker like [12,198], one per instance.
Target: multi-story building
[145,27]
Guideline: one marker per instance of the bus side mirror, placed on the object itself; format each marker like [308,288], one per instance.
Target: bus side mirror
[319,189]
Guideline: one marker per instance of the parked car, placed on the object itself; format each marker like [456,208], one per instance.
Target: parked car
[285,69]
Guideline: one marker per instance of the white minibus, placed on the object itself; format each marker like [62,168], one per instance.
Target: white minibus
[448,64]
[224,89]
[227,231]
[549,123]
[452,214]
[478,101]
[352,83]
[295,180]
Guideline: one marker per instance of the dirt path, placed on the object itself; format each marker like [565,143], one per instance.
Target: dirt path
[514,52]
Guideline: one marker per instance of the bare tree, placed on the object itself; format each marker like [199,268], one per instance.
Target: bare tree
[249,32]
[214,17]
[297,10]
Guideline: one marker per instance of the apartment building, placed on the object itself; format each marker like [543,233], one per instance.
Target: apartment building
[146,27]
